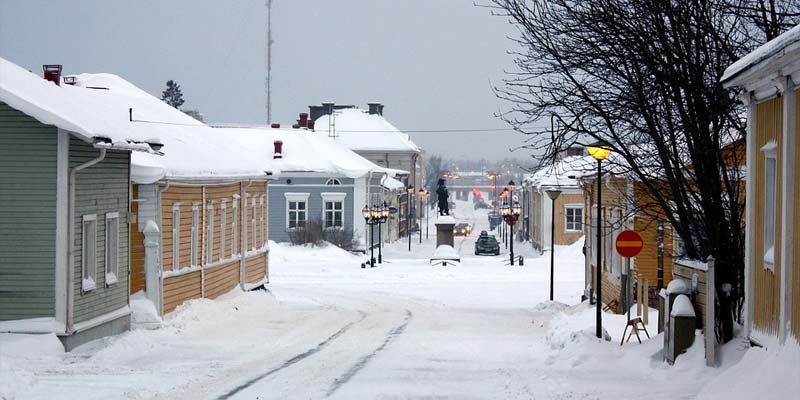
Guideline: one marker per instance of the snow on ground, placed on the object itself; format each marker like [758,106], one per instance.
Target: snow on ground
[326,328]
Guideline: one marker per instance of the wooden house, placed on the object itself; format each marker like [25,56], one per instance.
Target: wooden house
[317,179]
[65,151]
[626,205]
[768,78]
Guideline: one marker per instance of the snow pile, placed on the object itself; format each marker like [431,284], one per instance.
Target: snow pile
[682,307]
[445,219]
[30,346]
[677,286]
[143,312]
[358,130]
[763,373]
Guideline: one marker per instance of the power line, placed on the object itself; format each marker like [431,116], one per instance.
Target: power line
[430,130]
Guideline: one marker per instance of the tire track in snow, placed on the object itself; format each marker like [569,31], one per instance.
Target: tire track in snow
[358,366]
[294,360]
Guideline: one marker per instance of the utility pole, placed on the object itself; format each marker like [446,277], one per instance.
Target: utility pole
[269,61]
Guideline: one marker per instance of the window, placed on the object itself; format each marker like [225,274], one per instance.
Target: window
[88,252]
[112,248]
[333,210]
[333,181]
[209,233]
[235,227]
[195,234]
[296,210]
[261,220]
[253,222]
[770,202]
[176,237]
[264,221]
[574,218]
[223,225]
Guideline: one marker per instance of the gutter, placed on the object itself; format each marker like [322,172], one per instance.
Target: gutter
[71,237]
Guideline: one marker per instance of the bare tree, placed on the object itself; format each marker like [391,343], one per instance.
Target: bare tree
[643,76]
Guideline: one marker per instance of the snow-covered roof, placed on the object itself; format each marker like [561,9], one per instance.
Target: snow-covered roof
[361,131]
[86,109]
[303,151]
[759,57]
[391,184]
[562,173]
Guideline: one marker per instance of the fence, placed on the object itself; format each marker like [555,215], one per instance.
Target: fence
[699,277]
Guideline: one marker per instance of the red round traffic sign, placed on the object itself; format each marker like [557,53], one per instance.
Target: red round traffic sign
[629,244]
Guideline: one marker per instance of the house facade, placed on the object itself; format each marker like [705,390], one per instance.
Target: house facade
[64,166]
[625,206]
[768,78]
[371,136]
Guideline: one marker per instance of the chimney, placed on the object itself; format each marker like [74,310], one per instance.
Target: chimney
[303,121]
[296,126]
[71,80]
[375,108]
[278,149]
[310,125]
[52,73]
[275,125]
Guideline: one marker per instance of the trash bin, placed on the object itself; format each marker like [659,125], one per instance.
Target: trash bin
[681,327]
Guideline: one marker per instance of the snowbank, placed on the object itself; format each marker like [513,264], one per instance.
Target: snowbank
[682,307]
[30,346]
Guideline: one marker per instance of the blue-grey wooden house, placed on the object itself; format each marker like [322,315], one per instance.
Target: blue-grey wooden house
[65,151]
[317,179]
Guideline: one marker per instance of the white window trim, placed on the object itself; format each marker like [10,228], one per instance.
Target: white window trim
[333,181]
[264,219]
[295,197]
[194,245]
[176,236]
[223,222]
[334,197]
[770,151]
[111,274]
[253,221]
[88,281]
[209,233]
[235,227]
[566,224]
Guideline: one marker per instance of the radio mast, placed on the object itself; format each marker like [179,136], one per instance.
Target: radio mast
[268,84]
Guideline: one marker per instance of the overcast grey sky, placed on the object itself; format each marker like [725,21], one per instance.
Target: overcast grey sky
[429,61]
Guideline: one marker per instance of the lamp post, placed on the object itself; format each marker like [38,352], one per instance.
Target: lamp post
[408,215]
[368,213]
[504,228]
[510,215]
[599,151]
[553,195]
[384,216]
[427,211]
[421,210]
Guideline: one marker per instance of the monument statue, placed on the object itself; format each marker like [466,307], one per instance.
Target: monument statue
[444,204]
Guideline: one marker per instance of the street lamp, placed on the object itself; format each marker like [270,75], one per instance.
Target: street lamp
[408,215]
[510,216]
[383,216]
[368,214]
[421,209]
[553,195]
[599,151]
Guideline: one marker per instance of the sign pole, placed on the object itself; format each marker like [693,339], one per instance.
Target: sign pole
[628,298]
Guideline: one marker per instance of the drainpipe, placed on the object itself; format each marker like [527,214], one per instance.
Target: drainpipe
[71,236]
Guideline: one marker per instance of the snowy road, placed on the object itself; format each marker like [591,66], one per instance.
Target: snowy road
[329,329]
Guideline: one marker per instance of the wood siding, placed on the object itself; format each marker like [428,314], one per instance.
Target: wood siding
[766,301]
[27,216]
[564,237]
[221,272]
[100,189]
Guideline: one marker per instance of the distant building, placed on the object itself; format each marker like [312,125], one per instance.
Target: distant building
[369,134]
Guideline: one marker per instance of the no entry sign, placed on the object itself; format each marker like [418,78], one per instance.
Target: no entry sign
[629,244]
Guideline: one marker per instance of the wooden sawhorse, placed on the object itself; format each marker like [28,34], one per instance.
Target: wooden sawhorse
[636,325]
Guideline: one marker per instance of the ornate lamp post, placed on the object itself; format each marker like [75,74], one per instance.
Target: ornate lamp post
[503,228]
[553,195]
[408,215]
[427,211]
[599,151]
[510,215]
[369,217]
[382,218]
[421,210]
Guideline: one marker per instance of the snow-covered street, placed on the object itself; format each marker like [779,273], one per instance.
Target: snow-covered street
[328,328]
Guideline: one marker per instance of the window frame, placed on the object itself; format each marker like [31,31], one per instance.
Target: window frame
[333,182]
[296,198]
[573,207]
[88,269]
[223,222]
[333,198]
[235,227]
[176,236]
[770,223]
[253,220]
[111,271]
[209,239]
[194,246]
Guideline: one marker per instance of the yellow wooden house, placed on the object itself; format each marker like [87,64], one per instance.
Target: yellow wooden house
[769,79]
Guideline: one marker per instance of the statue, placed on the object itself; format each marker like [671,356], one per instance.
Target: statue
[444,204]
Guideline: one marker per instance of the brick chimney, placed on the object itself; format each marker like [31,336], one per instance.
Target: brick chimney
[278,149]
[52,73]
